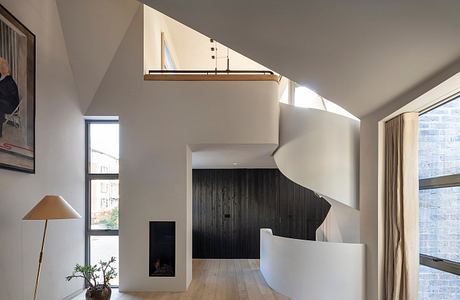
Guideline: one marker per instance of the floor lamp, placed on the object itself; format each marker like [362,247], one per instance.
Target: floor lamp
[51,207]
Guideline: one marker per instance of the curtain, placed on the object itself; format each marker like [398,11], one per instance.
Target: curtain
[401,240]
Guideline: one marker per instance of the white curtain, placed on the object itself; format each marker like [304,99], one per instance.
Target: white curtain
[401,217]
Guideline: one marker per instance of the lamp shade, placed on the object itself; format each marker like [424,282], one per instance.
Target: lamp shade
[52,207]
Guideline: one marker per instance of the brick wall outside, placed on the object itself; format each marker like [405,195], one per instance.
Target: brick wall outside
[439,154]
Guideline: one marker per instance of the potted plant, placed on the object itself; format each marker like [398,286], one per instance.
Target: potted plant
[97,290]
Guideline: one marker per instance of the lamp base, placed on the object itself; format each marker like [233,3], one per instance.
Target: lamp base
[40,259]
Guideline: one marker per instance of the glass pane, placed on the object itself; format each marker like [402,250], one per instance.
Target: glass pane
[438,285]
[104,145]
[440,141]
[305,97]
[103,248]
[104,204]
[440,223]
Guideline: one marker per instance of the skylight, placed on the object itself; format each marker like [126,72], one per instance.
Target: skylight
[305,97]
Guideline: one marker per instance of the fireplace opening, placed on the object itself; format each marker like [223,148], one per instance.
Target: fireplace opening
[162,259]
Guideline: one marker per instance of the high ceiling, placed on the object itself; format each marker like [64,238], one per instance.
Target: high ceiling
[359,54]
[93,30]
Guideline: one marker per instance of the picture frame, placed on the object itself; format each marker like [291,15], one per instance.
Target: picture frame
[167,60]
[17,94]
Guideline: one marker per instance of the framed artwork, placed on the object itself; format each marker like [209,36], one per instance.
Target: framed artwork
[17,94]
[167,61]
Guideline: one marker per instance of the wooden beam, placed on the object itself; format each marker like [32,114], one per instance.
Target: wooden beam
[211,77]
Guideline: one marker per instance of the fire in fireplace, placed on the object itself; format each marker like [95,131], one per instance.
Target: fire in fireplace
[162,258]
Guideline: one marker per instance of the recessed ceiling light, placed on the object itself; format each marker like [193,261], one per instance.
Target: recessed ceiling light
[235,163]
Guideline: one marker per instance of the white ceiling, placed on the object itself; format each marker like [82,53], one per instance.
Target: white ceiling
[358,54]
[225,156]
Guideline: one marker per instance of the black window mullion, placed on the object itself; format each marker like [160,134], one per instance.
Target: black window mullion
[440,264]
[98,232]
[87,195]
[439,182]
[94,176]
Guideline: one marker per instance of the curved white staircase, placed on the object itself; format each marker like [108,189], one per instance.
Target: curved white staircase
[320,151]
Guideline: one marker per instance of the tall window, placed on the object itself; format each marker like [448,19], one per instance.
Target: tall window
[102,196]
[439,172]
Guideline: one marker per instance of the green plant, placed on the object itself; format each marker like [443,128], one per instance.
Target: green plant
[90,273]
[111,221]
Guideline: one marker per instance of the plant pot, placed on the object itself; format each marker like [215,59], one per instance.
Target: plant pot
[99,292]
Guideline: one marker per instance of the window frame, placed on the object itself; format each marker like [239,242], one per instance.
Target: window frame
[444,181]
[89,177]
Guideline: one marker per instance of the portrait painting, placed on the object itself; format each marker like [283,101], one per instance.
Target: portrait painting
[17,94]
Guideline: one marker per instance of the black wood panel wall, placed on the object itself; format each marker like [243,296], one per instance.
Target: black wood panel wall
[231,205]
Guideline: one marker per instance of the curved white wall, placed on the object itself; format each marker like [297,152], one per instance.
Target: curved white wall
[303,269]
[320,151]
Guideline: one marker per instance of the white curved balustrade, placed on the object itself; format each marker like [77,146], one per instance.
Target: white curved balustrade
[312,270]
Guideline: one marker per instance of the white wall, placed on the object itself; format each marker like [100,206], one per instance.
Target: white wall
[59,170]
[304,270]
[320,151]
[158,120]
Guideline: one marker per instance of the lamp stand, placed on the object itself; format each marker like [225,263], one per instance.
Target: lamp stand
[40,258]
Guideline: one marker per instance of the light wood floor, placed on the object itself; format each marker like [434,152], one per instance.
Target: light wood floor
[216,279]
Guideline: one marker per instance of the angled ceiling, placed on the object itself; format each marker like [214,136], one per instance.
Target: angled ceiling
[193,50]
[358,54]
[93,30]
